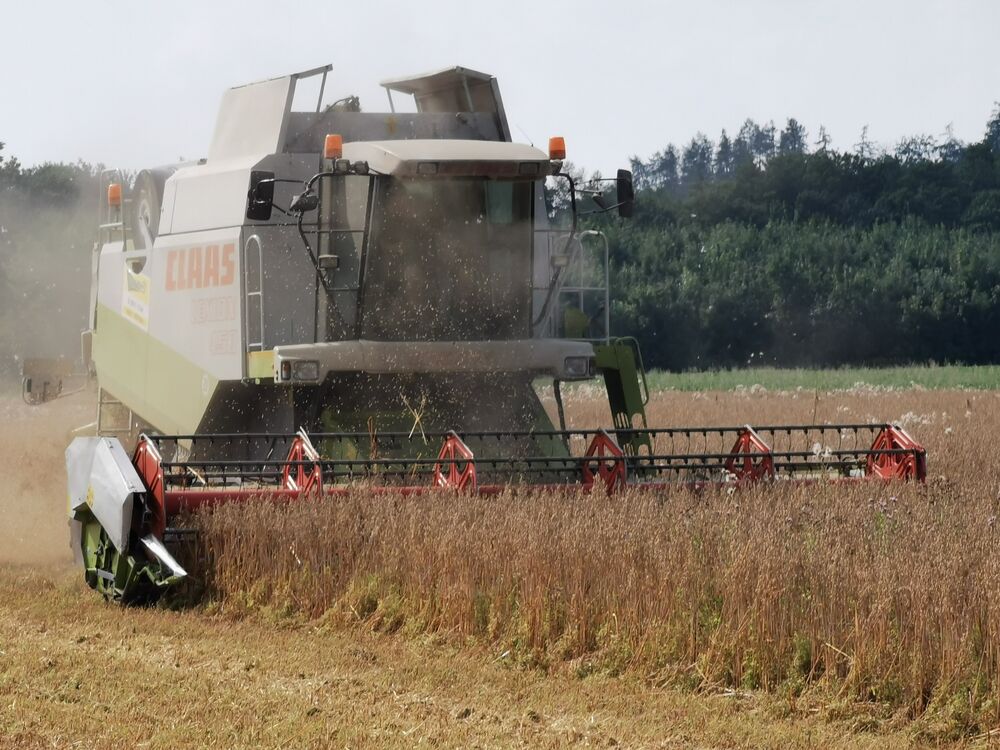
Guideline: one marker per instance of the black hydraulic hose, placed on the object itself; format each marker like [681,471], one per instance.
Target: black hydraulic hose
[312,256]
[320,277]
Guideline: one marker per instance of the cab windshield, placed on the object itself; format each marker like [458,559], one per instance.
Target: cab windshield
[448,259]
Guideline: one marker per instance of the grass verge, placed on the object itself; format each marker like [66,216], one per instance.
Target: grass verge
[985,377]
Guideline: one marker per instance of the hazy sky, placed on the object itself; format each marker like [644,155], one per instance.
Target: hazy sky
[132,83]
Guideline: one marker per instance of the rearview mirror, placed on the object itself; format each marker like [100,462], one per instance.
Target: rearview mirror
[304,202]
[260,196]
[626,194]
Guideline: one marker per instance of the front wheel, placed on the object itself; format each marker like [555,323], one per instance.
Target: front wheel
[118,577]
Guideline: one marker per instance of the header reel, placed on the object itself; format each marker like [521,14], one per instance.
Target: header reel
[128,512]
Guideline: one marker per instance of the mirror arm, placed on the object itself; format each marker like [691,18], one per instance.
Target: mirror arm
[318,176]
[271,181]
[604,210]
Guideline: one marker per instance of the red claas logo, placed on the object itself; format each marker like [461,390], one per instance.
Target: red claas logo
[201,267]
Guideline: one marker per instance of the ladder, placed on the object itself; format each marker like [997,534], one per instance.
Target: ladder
[115,419]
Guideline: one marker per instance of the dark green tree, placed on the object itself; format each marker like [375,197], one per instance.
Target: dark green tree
[993,129]
[823,141]
[763,143]
[792,139]
[917,148]
[725,164]
[696,161]
[865,148]
[743,144]
[950,149]
[665,169]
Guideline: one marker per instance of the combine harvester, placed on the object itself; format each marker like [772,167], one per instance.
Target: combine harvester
[335,297]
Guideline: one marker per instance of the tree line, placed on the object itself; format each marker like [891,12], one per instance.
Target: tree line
[771,247]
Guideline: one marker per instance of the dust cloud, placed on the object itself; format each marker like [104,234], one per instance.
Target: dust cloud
[48,222]
[33,439]
[46,250]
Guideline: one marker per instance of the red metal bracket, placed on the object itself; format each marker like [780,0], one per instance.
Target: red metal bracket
[147,462]
[297,475]
[455,467]
[604,460]
[911,465]
[750,458]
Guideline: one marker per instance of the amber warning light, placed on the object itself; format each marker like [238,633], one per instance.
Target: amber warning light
[115,194]
[333,146]
[557,148]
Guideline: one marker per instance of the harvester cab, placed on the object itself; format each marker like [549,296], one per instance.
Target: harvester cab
[335,295]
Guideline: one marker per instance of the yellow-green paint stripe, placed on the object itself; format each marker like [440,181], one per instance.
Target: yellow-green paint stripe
[159,385]
[260,365]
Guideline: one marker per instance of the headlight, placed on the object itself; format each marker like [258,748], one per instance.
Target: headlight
[305,370]
[577,367]
[299,370]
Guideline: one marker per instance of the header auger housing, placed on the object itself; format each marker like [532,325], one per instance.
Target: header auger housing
[335,298]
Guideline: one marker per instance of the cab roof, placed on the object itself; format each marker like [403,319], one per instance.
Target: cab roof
[450,157]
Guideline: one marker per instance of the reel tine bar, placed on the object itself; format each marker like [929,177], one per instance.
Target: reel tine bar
[750,458]
[289,466]
[456,465]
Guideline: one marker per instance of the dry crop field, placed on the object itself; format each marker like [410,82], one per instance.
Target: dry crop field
[846,616]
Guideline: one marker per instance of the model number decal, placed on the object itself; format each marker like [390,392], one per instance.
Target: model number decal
[201,267]
[213,310]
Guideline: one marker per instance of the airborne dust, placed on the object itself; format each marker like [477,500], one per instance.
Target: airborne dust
[46,236]
[33,526]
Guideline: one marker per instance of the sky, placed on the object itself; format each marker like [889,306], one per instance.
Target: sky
[132,83]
